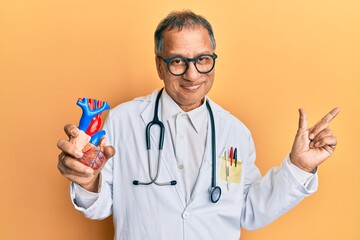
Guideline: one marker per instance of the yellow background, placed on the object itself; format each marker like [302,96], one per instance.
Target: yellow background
[276,56]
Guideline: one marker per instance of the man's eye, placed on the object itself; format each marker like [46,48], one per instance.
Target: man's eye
[177,61]
[204,59]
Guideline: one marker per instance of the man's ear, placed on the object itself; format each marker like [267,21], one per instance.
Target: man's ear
[159,68]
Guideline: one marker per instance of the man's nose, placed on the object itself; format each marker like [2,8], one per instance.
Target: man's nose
[192,73]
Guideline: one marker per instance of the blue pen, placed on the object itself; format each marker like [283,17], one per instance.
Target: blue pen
[235,156]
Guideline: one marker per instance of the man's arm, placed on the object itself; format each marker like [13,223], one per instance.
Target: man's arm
[266,198]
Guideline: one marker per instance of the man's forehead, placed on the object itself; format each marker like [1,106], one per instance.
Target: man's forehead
[187,42]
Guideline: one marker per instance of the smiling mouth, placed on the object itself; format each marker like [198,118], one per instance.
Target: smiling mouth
[192,87]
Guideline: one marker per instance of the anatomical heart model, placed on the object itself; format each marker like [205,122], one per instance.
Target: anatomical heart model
[89,138]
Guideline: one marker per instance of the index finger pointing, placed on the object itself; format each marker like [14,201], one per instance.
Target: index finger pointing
[323,123]
[331,115]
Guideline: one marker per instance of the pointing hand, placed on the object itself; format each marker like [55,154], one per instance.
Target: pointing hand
[314,145]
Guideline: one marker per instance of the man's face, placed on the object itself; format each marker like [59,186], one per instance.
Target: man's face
[187,90]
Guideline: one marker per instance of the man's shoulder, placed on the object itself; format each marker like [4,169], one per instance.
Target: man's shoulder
[135,105]
[227,119]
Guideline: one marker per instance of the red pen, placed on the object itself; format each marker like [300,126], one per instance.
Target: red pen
[231,156]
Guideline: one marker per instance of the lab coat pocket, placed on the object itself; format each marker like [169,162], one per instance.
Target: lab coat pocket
[234,172]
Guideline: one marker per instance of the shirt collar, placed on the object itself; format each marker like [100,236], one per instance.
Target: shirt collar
[170,108]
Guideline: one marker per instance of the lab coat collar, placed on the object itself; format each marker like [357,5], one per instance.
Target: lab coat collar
[169,107]
[147,113]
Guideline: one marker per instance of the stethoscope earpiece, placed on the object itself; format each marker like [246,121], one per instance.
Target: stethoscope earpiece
[136,182]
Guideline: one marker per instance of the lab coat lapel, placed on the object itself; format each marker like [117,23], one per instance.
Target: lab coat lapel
[168,159]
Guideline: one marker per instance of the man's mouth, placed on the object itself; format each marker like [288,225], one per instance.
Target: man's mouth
[192,87]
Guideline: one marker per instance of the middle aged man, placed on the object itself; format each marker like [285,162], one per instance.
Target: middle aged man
[175,193]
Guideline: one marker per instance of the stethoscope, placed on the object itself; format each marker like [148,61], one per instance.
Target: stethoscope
[214,191]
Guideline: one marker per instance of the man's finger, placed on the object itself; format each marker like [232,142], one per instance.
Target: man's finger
[69,148]
[76,166]
[303,122]
[109,151]
[323,123]
[331,115]
[326,141]
[71,130]
[324,133]
[66,171]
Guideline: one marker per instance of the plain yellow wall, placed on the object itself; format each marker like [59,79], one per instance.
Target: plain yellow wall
[279,55]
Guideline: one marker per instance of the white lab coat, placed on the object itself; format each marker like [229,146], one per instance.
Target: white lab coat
[155,213]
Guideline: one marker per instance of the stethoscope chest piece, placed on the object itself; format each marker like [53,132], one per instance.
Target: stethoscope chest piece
[215,194]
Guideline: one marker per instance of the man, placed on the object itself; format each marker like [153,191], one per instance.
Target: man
[164,194]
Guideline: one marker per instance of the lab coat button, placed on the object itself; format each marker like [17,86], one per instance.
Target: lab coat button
[181,166]
[186,215]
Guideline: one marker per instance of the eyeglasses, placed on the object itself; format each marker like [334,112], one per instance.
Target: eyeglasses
[178,65]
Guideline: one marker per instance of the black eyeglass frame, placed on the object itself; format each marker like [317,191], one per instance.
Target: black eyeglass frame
[187,60]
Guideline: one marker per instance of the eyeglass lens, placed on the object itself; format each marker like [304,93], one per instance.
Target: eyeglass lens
[203,64]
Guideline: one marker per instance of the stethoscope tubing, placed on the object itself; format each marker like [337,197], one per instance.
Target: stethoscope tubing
[153,180]
[215,191]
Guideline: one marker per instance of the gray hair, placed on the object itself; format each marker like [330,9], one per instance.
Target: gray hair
[180,20]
